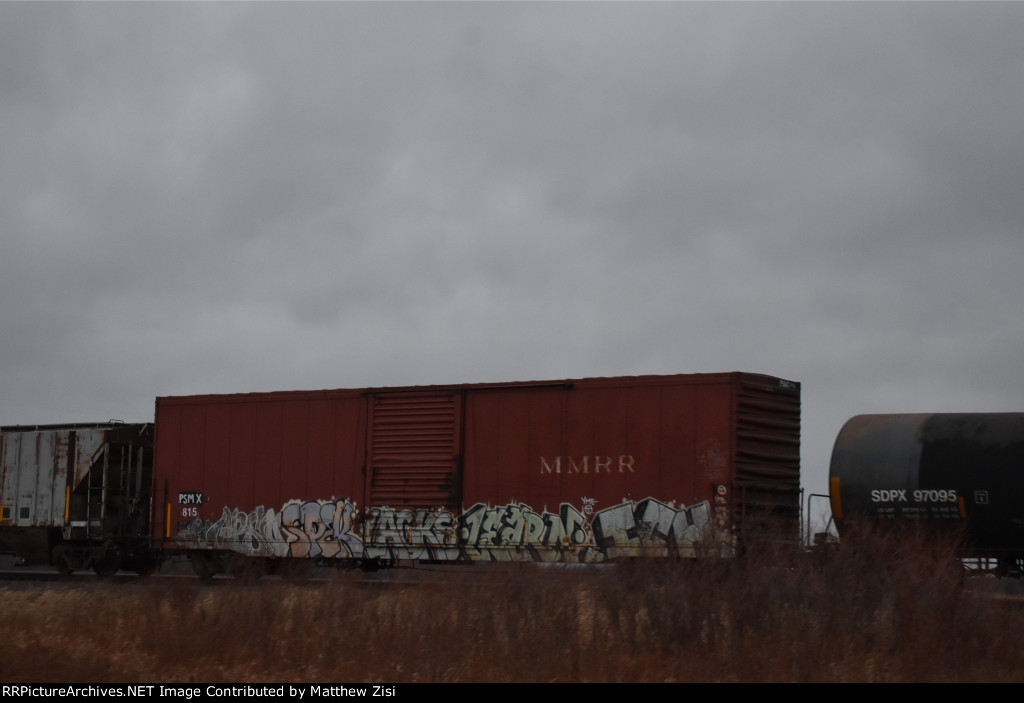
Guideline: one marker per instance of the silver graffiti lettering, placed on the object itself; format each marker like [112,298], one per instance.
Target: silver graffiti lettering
[320,528]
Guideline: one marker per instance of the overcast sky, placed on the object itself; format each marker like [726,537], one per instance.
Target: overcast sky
[241,197]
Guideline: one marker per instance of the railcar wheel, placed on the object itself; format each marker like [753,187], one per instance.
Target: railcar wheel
[146,567]
[294,568]
[60,562]
[246,569]
[371,565]
[105,568]
[203,566]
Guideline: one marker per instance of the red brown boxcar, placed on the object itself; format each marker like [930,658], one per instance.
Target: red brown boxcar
[582,470]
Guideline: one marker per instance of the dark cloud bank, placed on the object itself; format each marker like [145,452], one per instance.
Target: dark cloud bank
[235,197]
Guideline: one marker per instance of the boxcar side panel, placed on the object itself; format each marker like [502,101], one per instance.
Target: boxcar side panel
[600,469]
[271,475]
[586,470]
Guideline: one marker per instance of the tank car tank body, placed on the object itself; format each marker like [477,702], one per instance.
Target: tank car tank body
[962,470]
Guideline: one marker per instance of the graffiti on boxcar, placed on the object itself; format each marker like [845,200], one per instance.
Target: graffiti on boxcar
[721,507]
[514,532]
[651,528]
[331,529]
[588,505]
[411,534]
[256,533]
[321,528]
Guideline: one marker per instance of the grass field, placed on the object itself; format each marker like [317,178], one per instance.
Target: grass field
[866,613]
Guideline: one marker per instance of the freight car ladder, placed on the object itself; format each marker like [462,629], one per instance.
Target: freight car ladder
[116,484]
[97,497]
[113,487]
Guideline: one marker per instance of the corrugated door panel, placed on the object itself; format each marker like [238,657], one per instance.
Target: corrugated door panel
[767,435]
[414,449]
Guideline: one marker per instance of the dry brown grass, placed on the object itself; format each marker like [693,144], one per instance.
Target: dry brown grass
[867,612]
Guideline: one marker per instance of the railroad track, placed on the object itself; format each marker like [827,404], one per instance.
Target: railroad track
[182,571]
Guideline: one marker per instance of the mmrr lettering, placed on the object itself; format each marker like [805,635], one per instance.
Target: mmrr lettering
[597,464]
